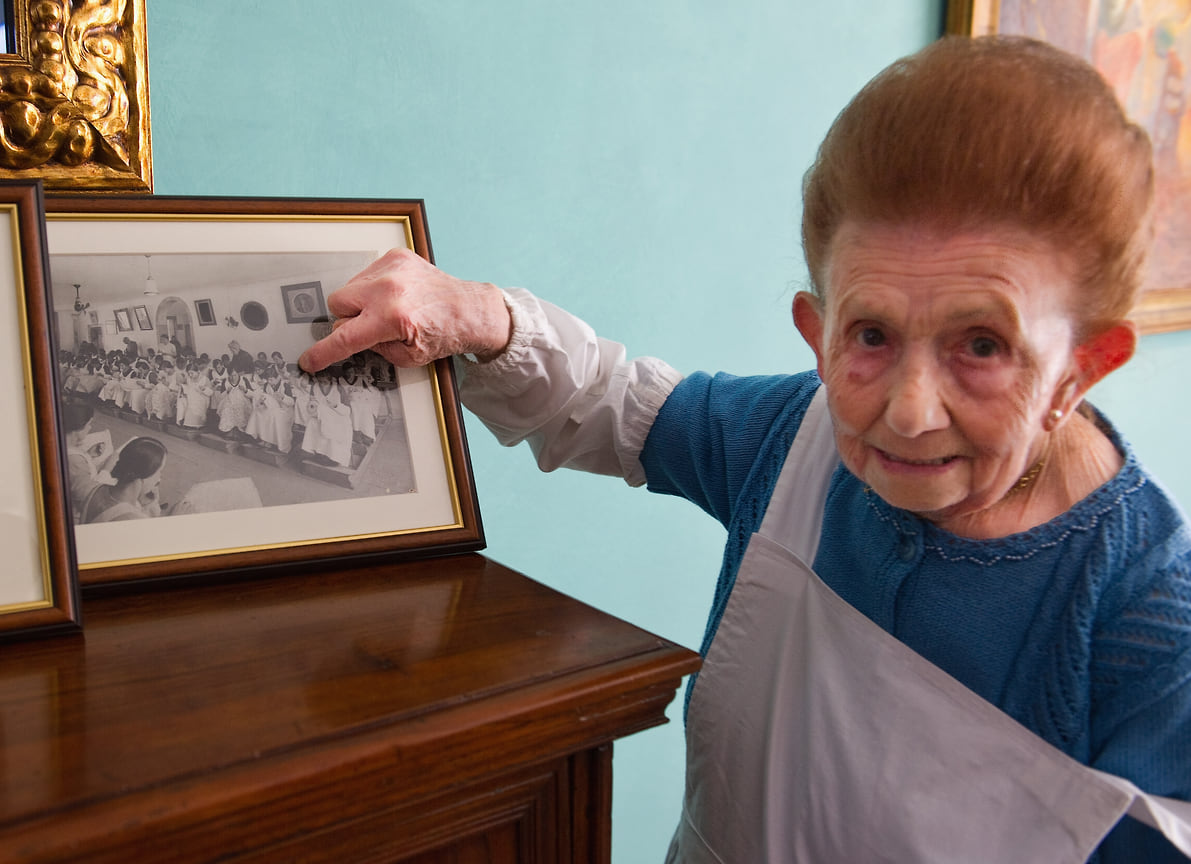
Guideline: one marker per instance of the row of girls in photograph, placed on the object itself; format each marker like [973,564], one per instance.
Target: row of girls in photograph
[268,405]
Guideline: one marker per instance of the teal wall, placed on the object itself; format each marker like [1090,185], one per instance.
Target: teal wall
[637,162]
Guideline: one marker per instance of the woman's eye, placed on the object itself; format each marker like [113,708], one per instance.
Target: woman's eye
[984,347]
[871,337]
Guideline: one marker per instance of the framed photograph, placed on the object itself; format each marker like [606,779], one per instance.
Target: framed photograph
[304,302]
[38,582]
[123,320]
[1144,50]
[142,317]
[204,313]
[249,464]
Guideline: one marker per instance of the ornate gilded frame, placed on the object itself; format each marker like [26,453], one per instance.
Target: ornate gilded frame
[74,97]
[1162,307]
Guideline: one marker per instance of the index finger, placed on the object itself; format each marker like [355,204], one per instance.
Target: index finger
[349,336]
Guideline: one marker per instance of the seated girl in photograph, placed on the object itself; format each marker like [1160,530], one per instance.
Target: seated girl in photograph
[86,454]
[301,383]
[113,389]
[195,400]
[328,423]
[136,387]
[272,420]
[163,403]
[364,400]
[136,491]
[236,406]
[107,391]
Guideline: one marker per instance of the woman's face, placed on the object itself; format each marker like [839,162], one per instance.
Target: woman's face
[76,437]
[150,490]
[942,357]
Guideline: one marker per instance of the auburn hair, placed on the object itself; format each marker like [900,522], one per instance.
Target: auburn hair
[989,132]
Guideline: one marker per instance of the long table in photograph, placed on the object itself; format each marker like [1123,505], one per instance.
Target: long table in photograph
[448,710]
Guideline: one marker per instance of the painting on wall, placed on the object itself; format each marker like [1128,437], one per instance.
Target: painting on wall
[1143,48]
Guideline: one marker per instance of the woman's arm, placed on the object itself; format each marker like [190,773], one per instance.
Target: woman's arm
[542,375]
[574,396]
[411,313]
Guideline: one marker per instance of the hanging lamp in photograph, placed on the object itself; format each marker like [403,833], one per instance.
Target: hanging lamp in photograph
[150,282]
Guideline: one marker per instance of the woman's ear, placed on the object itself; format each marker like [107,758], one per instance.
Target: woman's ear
[808,318]
[1108,350]
[1105,352]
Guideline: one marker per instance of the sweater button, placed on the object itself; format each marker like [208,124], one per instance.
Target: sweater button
[907,549]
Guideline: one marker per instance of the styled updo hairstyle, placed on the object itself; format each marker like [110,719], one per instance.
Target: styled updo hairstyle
[993,131]
[139,458]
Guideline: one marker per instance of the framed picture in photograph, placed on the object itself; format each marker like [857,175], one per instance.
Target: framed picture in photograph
[38,582]
[250,463]
[204,313]
[142,317]
[1143,49]
[304,302]
[123,320]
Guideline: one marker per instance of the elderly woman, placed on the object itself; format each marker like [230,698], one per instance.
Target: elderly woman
[994,644]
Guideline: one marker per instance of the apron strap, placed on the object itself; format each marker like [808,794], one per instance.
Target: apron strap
[794,515]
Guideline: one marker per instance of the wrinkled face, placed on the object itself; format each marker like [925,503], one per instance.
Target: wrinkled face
[942,356]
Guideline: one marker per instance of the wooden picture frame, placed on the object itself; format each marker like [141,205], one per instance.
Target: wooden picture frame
[123,320]
[77,96]
[1127,53]
[38,582]
[406,490]
[142,317]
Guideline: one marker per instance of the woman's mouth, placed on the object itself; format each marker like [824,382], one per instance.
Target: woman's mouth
[896,463]
[942,460]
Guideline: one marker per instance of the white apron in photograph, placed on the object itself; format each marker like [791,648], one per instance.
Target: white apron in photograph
[814,736]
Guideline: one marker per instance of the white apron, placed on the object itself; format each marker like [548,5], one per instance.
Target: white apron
[814,736]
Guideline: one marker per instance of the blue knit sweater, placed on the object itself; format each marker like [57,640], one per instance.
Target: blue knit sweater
[1080,629]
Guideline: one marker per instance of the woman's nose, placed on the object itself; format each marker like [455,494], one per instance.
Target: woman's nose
[915,404]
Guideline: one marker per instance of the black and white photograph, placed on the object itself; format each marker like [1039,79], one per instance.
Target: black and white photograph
[207,431]
[245,426]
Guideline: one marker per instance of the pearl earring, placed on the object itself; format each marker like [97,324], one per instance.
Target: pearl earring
[1053,417]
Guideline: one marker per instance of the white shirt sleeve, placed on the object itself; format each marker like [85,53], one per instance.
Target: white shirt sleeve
[571,394]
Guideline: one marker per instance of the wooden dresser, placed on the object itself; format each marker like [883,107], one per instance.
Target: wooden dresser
[450,710]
